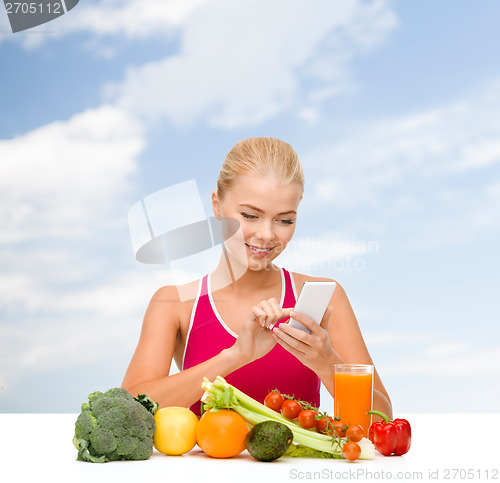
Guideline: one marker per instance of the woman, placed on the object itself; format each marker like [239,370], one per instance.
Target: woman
[236,326]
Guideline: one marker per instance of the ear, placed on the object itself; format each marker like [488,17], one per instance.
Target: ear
[215,204]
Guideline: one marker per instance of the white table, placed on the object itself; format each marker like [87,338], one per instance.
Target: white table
[445,447]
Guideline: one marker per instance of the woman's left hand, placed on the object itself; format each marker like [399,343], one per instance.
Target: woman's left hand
[314,350]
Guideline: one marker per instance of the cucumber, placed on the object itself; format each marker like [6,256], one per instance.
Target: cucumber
[268,440]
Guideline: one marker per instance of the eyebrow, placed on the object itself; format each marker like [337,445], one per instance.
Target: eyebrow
[262,211]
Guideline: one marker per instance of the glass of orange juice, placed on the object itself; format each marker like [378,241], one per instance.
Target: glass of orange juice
[353,394]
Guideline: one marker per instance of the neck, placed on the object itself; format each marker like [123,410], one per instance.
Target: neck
[230,273]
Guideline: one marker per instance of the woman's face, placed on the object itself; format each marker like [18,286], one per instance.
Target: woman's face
[266,211]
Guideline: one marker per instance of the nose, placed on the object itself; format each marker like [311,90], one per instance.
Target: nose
[265,231]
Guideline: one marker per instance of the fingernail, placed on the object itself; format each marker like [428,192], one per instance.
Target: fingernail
[292,314]
[276,330]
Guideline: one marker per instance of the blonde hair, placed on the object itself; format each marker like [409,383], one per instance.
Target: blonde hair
[260,156]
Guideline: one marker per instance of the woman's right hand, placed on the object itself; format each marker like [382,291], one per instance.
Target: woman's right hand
[255,337]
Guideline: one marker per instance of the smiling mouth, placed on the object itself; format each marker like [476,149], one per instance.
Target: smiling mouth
[257,249]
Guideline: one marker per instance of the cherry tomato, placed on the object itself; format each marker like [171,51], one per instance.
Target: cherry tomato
[322,425]
[274,400]
[306,418]
[355,433]
[339,427]
[290,408]
[351,451]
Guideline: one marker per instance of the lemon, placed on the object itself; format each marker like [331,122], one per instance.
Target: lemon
[175,432]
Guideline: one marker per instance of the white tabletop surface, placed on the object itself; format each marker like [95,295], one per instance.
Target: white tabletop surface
[445,447]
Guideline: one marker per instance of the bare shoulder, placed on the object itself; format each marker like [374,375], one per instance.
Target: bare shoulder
[339,295]
[176,293]
[167,293]
[300,278]
[176,300]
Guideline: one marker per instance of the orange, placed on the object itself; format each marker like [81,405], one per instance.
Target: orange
[221,434]
[175,432]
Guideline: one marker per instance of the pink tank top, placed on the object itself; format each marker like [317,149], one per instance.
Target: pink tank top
[278,369]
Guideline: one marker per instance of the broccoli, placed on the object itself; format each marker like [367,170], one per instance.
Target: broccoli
[115,426]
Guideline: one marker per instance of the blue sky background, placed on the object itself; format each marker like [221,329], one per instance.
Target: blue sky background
[393,108]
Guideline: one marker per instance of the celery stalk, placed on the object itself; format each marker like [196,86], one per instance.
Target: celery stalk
[222,395]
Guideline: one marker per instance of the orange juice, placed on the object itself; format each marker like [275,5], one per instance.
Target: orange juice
[353,389]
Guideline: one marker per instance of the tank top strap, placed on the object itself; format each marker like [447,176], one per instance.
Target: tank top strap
[200,307]
[202,304]
[290,291]
[203,290]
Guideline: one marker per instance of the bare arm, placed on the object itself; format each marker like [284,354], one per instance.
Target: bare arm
[184,388]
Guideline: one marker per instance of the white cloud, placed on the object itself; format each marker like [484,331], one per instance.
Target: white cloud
[133,19]
[309,115]
[227,74]
[68,177]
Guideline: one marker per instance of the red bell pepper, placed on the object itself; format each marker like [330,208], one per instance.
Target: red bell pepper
[390,437]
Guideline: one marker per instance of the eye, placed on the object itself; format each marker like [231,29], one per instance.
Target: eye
[286,221]
[248,216]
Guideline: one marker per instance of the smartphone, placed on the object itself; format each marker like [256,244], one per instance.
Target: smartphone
[313,301]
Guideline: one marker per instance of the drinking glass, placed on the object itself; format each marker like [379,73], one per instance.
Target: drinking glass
[353,394]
